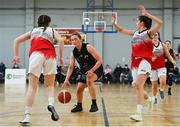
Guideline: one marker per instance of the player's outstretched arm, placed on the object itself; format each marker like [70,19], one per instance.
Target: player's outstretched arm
[120,28]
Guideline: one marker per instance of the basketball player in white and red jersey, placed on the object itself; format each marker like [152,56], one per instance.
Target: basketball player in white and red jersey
[42,57]
[158,68]
[142,52]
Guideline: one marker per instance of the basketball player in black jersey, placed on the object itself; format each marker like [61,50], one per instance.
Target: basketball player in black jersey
[169,65]
[91,69]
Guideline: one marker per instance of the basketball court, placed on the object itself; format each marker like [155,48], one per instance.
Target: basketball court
[116,103]
[92,19]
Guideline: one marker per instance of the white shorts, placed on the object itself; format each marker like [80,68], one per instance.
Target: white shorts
[38,64]
[157,73]
[144,68]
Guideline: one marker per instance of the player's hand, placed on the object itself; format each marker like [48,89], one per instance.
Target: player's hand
[113,19]
[142,10]
[89,73]
[174,63]
[16,59]
[64,84]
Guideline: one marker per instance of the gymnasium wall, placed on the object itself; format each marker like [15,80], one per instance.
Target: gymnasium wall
[19,16]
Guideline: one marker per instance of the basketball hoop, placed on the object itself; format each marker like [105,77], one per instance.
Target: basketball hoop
[99,26]
[99,29]
[94,22]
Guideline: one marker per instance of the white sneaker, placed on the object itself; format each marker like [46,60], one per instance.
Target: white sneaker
[25,121]
[136,117]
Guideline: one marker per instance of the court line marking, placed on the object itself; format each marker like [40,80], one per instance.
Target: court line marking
[106,121]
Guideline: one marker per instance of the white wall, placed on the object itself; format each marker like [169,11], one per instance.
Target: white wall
[11,25]
[14,20]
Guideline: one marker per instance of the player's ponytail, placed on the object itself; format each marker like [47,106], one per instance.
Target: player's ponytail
[43,21]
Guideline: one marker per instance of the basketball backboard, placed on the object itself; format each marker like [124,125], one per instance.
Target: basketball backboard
[94,22]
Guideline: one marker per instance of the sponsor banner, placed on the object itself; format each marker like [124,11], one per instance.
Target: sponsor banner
[15,76]
[66,33]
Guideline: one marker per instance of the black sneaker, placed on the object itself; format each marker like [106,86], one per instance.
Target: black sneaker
[155,101]
[161,93]
[169,91]
[93,108]
[77,108]
[54,115]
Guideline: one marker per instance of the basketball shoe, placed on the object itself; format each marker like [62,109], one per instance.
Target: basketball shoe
[94,108]
[54,115]
[136,117]
[155,100]
[169,91]
[161,93]
[77,108]
[25,121]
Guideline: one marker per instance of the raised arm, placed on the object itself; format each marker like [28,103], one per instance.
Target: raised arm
[22,38]
[158,22]
[69,71]
[121,29]
[61,47]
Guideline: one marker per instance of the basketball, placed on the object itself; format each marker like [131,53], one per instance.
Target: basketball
[64,96]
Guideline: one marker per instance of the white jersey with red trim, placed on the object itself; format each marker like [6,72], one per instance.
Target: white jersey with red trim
[142,48]
[47,34]
[42,41]
[158,57]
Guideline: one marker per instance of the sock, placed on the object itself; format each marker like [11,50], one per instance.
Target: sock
[153,98]
[149,98]
[28,110]
[51,101]
[93,101]
[139,108]
[79,104]
[161,89]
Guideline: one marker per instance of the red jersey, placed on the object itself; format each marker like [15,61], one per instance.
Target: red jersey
[142,48]
[43,42]
[158,57]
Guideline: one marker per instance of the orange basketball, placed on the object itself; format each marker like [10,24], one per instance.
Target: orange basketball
[64,96]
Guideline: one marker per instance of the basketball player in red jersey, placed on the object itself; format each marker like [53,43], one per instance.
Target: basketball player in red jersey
[158,69]
[42,57]
[142,52]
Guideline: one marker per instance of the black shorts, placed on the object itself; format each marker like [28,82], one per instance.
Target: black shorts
[170,70]
[98,72]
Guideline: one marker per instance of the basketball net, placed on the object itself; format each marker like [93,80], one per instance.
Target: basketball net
[99,29]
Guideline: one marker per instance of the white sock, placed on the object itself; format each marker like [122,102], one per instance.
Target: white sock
[28,110]
[51,101]
[161,89]
[139,108]
[149,98]
[153,98]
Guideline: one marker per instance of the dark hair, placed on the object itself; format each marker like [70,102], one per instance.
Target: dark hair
[159,38]
[168,41]
[147,21]
[43,21]
[77,34]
